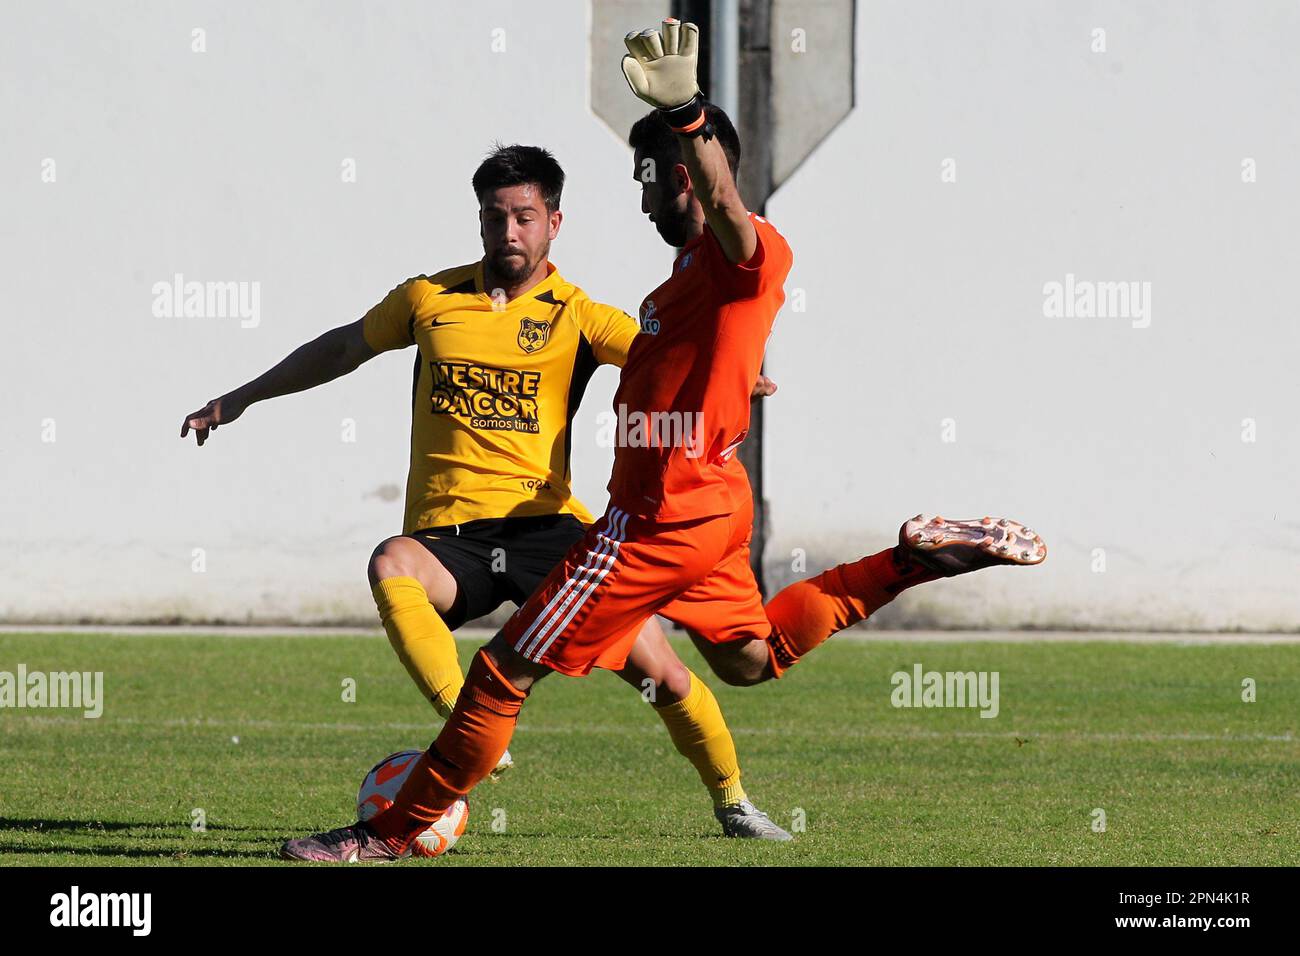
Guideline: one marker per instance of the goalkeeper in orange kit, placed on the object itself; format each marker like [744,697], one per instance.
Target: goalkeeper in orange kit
[675,539]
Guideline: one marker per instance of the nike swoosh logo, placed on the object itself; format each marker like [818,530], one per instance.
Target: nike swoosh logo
[389,771]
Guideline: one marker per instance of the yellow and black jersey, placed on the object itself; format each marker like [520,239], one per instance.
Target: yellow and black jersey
[496,386]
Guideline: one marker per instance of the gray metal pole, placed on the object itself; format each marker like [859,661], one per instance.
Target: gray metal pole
[725,69]
[736,74]
[753,119]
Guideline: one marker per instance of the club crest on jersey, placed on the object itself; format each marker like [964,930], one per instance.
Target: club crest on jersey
[649,324]
[533,334]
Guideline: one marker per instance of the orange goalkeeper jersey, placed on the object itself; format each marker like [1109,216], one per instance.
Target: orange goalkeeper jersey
[496,387]
[688,380]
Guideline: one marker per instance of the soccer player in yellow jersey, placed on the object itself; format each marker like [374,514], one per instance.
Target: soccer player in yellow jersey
[506,346]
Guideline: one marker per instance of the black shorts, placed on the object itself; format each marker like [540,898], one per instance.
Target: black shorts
[495,560]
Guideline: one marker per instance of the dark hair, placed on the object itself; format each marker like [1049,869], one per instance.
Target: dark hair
[652,135]
[519,165]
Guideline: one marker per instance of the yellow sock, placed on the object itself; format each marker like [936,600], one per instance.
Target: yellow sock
[701,736]
[422,640]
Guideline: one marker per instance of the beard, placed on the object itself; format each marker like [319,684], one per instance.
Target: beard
[512,268]
[671,226]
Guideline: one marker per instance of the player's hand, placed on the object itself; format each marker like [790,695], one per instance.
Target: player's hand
[660,65]
[763,387]
[219,411]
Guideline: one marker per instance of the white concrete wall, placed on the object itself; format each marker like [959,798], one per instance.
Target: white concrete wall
[923,299]
[925,302]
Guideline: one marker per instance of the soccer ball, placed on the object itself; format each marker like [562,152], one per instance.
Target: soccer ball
[379,789]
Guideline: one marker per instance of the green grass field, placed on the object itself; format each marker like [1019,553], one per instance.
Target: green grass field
[1156,735]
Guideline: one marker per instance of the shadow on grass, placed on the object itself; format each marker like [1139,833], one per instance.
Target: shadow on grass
[47,825]
[267,840]
[260,843]
[92,852]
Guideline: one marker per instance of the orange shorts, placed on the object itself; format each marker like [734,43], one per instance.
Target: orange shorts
[589,610]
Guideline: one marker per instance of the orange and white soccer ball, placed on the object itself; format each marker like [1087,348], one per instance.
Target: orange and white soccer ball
[379,789]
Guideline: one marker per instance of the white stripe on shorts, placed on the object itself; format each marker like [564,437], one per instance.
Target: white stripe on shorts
[587,591]
[593,569]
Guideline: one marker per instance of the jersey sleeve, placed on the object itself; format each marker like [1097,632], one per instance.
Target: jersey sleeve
[608,329]
[768,266]
[391,323]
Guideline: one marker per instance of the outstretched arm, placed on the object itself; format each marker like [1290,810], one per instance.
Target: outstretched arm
[321,360]
[716,190]
[661,69]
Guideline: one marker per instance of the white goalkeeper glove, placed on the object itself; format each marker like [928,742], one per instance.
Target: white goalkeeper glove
[661,69]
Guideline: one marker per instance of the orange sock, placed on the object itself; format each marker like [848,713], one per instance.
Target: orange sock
[807,612]
[472,741]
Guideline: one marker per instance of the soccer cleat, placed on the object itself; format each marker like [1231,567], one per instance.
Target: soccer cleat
[354,844]
[956,547]
[503,765]
[746,821]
